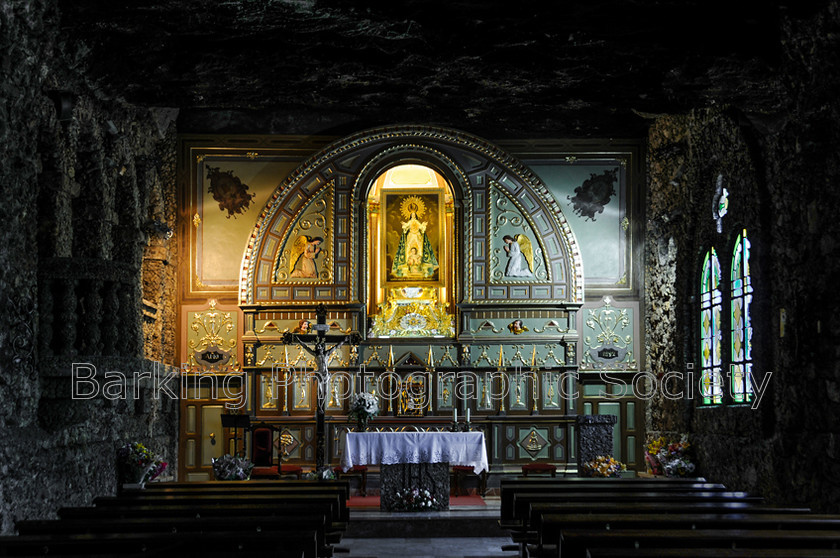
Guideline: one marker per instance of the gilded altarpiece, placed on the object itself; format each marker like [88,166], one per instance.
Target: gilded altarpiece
[490,254]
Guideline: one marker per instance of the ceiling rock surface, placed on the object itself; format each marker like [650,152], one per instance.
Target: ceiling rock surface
[502,69]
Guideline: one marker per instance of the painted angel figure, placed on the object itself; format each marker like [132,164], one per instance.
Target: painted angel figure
[521,254]
[304,251]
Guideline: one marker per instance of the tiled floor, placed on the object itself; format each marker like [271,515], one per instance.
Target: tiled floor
[461,547]
[430,534]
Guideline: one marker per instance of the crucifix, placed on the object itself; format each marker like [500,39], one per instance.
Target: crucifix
[322,355]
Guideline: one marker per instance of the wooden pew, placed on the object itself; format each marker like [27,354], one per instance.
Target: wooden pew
[158,524]
[328,509]
[240,485]
[528,504]
[198,501]
[552,524]
[711,553]
[329,524]
[530,533]
[203,544]
[590,518]
[509,490]
[341,491]
[575,542]
[522,502]
[585,481]
[329,527]
[274,518]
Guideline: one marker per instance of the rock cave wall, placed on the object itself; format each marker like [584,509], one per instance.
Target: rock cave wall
[781,169]
[88,186]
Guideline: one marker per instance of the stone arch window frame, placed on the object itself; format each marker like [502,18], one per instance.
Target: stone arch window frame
[732,237]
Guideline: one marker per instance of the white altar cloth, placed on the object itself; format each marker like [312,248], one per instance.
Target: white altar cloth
[391,448]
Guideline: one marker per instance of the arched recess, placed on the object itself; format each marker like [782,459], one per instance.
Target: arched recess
[494,196]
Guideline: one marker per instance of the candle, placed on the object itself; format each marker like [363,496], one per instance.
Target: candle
[454,415]
[468,415]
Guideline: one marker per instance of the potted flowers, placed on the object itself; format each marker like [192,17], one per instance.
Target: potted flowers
[672,459]
[137,465]
[415,499]
[228,467]
[602,466]
[323,474]
[363,406]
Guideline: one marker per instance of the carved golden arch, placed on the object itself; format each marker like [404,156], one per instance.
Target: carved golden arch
[472,166]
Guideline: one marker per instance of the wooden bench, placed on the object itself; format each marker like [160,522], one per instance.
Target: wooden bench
[340,487]
[240,485]
[336,500]
[511,485]
[539,469]
[711,553]
[530,533]
[575,542]
[460,472]
[526,514]
[517,510]
[510,489]
[552,524]
[334,525]
[341,491]
[204,544]
[240,524]
[190,511]
[360,471]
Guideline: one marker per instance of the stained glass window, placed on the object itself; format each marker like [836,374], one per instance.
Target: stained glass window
[710,330]
[740,300]
[723,204]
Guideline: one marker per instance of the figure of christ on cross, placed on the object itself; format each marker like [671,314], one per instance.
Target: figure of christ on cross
[322,356]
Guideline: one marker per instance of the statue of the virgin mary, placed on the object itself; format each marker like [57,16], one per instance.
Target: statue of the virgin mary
[415,257]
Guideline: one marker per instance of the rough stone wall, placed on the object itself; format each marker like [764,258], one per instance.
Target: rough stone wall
[82,177]
[781,169]
[594,436]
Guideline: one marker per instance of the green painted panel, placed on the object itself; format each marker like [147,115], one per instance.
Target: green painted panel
[594,390]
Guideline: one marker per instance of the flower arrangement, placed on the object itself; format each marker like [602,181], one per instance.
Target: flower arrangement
[363,406]
[323,474]
[602,466]
[672,459]
[138,464]
[228,467]
[416,499]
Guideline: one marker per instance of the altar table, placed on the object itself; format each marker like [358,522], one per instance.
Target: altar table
[414,459]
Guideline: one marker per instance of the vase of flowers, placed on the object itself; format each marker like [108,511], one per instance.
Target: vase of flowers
[228,467]
[363,406]
[671,459]
[602,466]
[137,465]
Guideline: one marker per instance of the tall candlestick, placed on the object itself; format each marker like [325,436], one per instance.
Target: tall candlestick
[468,415]
[454,415]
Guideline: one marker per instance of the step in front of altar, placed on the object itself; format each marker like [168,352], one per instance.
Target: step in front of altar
[460,521]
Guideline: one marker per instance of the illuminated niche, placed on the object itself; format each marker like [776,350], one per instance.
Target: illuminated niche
[410,253]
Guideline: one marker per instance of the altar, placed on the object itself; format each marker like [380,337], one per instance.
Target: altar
[414,460]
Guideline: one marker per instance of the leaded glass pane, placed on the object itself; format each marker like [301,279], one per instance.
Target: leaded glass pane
[741,336]
[711,339]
